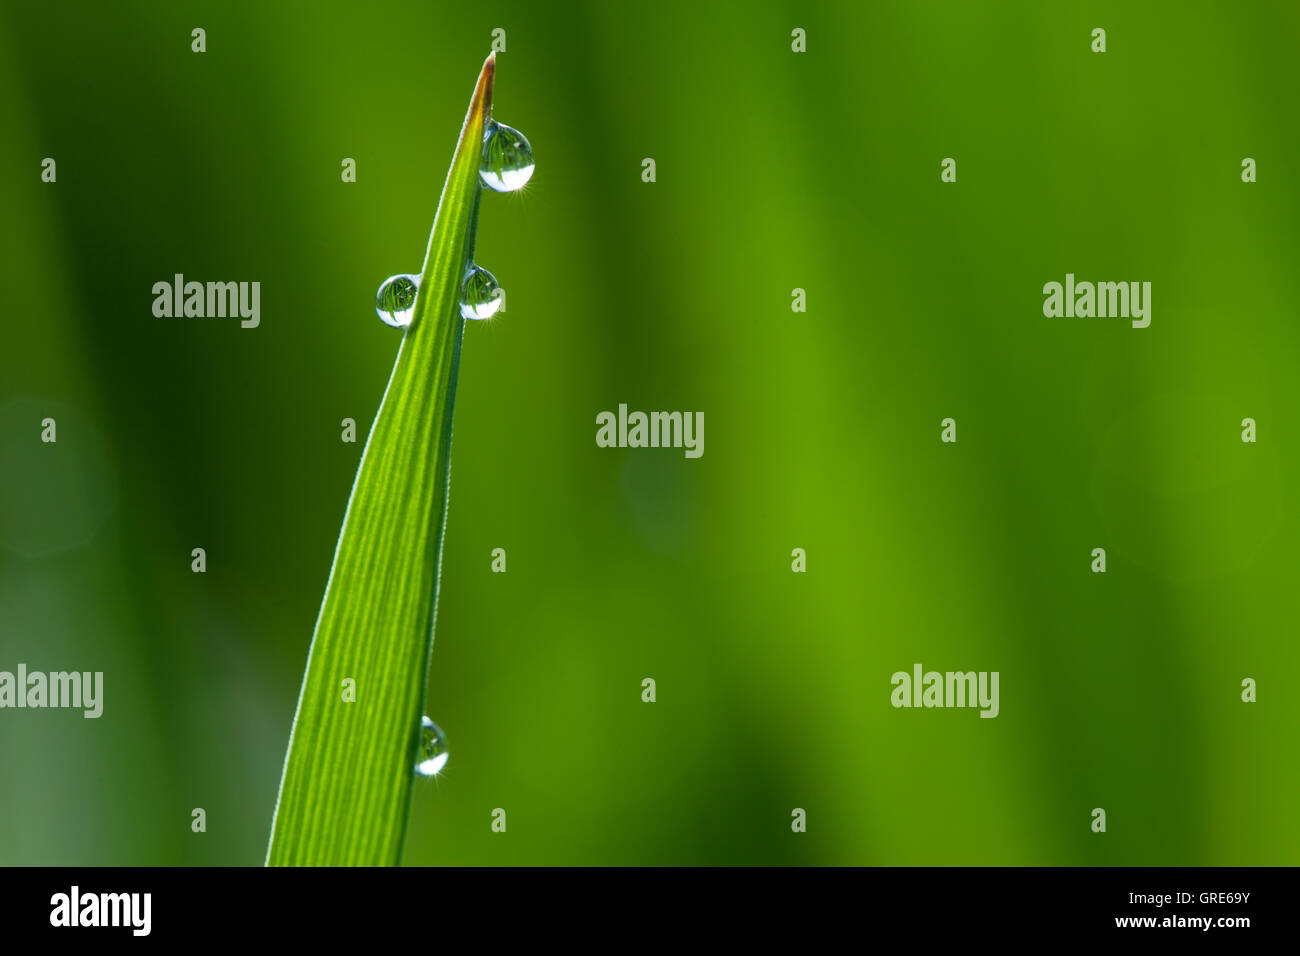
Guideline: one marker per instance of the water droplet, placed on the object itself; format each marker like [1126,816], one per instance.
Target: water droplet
[395,302]
[480,296]
[433,749]
[507,158]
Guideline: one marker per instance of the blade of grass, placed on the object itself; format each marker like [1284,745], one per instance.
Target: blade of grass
[348,773]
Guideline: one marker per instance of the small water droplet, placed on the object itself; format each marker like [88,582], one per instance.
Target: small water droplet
[507,158]
[395,302]
[433,749]
[480,296]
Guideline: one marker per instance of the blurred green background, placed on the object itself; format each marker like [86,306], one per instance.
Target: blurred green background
[775,170]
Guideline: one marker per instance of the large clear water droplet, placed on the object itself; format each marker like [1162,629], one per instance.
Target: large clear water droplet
[507,158]
[480,296]
[433,749]
[395,302]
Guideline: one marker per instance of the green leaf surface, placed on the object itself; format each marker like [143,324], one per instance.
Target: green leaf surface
[348,774]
